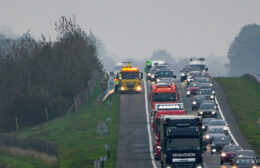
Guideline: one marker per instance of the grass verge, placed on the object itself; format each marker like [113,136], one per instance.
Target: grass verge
[76,137]
[243,94]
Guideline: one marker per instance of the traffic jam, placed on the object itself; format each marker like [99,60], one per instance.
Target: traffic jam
[181,136]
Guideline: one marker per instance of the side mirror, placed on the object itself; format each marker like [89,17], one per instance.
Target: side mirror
[141,75]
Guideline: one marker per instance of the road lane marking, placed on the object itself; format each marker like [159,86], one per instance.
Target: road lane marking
[223,117]
[148,125]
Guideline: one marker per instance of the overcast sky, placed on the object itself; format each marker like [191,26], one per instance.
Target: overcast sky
[135,28]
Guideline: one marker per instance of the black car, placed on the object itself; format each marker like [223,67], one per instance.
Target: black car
[164,74]
[196,101]
[186,70]
[219,123]
[219,141]
[209,93]
[210,134]
[245,162]
[207,110]
[205,123]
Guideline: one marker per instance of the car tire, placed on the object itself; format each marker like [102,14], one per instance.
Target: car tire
[221,162]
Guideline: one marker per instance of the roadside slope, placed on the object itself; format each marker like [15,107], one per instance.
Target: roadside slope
[239,97]
[75,134]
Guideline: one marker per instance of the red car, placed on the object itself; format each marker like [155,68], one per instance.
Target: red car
[193,88]
[228,153]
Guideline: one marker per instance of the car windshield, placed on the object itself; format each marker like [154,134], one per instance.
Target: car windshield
[164,74]
[194,84]
[245,161]
[199,98]
[207,120]
[221,139]
[214,130]
[160,66]
[218,123]
[231,148]
[205,92]
[245,153]
[164,97]
[183,144]
[207,106]
[130,75]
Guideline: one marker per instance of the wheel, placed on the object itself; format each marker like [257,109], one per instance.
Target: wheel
[221,162]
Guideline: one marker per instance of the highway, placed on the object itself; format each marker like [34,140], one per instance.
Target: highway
[135,144]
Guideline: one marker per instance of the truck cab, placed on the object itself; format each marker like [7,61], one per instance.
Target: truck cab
[181,141]
[163,93]
[160,111]
[130,79]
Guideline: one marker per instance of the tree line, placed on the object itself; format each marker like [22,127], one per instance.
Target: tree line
[36,75]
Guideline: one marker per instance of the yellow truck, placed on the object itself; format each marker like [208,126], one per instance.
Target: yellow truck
[130,79]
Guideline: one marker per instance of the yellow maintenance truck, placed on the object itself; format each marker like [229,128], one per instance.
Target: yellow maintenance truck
[130,79]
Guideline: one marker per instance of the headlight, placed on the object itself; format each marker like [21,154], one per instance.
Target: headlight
[213,144]
[199,166]
[203,127]
[158,147]
[223,154]
[122,88]
[157,80]
[207,136]
[213,112]
[211,84]
[168,167]
[194,102]
[201,112]
[149,74]
[152,76]
[182,74]
[213,92]
[138,88]
[212,96]
[225,128]
[188,92]
[234,167]
[214,150]
[254,166]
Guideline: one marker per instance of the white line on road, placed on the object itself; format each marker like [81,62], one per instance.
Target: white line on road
[148,125]
[223,117]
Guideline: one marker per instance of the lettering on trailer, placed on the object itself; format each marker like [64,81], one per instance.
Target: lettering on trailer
[182,155]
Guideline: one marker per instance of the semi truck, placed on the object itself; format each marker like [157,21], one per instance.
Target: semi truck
[162,110]
[181,141]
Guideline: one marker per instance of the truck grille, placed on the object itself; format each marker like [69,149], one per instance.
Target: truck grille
[130,85]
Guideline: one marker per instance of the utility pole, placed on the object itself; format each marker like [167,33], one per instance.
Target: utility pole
[16,122]
[46,113]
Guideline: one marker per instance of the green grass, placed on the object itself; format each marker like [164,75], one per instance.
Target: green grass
[243,94]
[76,137]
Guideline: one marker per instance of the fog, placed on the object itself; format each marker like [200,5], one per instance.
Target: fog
[135,29]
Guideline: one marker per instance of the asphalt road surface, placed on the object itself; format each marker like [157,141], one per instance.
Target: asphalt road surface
[133,146]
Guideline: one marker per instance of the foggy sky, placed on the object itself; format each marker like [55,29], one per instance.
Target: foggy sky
[135,28]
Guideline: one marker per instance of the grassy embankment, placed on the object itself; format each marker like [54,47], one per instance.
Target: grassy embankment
[243,94]
[76,137]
